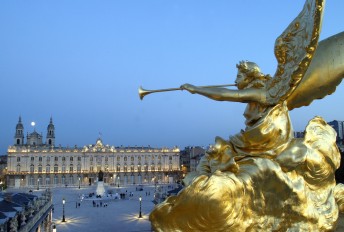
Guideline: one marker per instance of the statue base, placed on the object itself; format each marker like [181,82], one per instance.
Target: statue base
[100,188]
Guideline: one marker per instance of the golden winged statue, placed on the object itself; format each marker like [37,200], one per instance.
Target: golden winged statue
[264,179]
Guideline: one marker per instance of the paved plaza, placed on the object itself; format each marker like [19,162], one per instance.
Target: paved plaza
[119,215]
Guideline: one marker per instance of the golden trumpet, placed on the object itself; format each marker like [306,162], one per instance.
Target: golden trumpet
[143,92]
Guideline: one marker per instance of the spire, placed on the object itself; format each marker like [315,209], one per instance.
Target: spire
[19,135]
[51,133]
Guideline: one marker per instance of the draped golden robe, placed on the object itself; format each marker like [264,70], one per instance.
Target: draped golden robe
[261,179]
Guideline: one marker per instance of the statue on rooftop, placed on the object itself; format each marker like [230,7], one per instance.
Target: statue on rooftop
[264,179]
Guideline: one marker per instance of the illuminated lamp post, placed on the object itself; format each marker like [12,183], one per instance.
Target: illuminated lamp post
[79,182]
[140,214]
[38,184]
[118,181]
[63,210]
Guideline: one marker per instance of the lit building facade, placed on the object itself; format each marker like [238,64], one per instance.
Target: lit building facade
[36,164]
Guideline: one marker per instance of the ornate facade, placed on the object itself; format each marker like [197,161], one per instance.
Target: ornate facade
[36,164]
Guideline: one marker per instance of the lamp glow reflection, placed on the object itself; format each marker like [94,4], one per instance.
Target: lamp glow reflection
[63,210]
[140,214]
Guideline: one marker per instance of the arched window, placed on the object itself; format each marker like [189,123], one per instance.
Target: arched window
[56,179]
[71,179]
[39,168]
[47,169]
[18,141]
[49,141]
[31,180]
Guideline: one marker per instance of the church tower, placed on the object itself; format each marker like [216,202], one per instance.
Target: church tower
[51,133]
[19,136]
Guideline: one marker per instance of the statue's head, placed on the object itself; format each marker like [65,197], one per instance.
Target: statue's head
[252,74]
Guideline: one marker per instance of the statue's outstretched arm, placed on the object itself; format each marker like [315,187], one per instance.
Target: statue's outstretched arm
[223,94]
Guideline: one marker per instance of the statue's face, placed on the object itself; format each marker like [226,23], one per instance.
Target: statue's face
[241,80]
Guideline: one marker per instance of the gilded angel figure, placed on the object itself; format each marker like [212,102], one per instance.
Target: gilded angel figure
[264,179]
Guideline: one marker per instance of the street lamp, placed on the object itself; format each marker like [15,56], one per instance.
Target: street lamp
[140,214]
[79,182]
[38,184]
[118,181]
[63,210]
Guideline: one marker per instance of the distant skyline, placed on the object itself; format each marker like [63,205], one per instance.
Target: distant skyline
[81,63]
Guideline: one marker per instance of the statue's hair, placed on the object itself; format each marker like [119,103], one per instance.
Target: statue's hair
[252,71]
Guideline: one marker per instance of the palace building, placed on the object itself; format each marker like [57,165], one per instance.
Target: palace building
[36,164]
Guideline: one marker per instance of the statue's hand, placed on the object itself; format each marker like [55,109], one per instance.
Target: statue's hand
[188,87]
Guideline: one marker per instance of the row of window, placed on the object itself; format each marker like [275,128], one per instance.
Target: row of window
[71,168]
[72,180]
[91,158]
[47,168]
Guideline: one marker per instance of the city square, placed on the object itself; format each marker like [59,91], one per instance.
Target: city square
[118,215]
[110,213]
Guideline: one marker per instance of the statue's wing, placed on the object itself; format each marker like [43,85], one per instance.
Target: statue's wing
[325,72]
[294,50]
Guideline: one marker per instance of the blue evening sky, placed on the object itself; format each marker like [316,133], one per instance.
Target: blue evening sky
[82,61]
